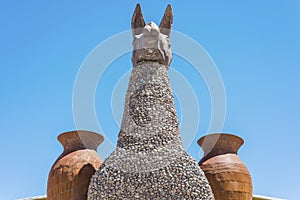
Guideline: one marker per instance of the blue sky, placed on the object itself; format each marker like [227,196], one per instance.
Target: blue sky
[255,45]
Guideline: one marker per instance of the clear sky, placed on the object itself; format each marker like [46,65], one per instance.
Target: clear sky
[255,45]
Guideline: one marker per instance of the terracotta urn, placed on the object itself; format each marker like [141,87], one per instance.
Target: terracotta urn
[226,173]
[70,175]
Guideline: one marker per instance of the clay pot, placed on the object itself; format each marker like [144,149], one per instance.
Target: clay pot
[226,173]
[70,175]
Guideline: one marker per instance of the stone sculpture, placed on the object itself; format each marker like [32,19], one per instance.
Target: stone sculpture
[149,161]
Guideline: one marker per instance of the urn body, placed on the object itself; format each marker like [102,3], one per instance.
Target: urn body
[225,171]
[70,175]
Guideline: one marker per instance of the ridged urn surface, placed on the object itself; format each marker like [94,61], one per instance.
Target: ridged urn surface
[149,161]
[70,175]
[225,171]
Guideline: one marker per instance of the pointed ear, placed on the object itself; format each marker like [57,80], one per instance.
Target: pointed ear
[167,21]
[137,22]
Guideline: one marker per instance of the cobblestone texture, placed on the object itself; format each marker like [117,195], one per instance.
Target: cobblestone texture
[149,161]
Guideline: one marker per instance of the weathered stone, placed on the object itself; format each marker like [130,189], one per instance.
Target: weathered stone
[149,161]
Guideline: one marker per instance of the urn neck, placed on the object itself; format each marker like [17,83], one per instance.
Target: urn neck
[79,139]
[219,144]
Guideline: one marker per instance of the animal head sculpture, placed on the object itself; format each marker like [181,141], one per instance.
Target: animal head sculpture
[151,42]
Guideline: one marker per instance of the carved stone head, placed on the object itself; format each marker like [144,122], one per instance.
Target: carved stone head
[151,42]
